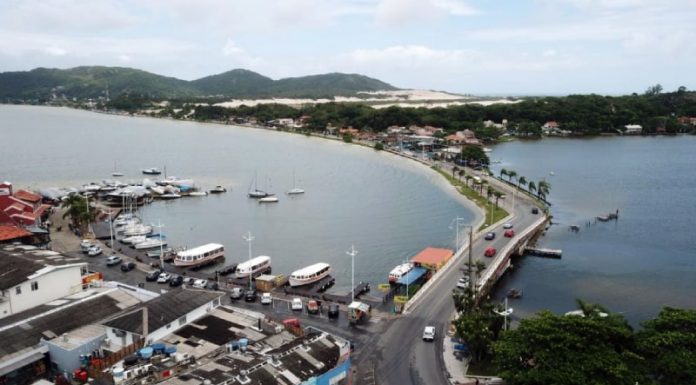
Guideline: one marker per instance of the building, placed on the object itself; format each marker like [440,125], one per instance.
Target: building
[633,129]
[466,137]
[432,258]
[13,233]
[21,207]
[165,314]
[33,278]
[687,120]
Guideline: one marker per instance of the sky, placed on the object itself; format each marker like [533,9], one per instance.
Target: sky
[503,47]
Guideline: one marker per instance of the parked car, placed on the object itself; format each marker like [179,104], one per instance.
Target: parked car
[509,233]
[128,266]
[164,278]
[94,251]
[266,299]
[463,283]
[176,280]
[189,280]
[429,333]
[490,252]
[200,283]
[113,260]
[296,304]
[312,307]
[153,275]
[490,236]
[236,293]
[333,311]
[250,295]
[535,210]
[507,226]
[85,245]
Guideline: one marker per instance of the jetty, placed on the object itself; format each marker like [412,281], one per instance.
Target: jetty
[546,253]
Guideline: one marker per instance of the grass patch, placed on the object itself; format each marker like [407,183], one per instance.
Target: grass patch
[493,214]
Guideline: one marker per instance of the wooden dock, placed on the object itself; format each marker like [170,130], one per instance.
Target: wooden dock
[546,253]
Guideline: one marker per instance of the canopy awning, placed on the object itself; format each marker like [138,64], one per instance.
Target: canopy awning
[412,276]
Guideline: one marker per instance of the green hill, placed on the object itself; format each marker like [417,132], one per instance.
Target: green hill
[93,81]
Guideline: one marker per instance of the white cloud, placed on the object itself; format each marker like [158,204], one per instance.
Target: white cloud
[55,51]
[403,12]
[239,57]
[549,53]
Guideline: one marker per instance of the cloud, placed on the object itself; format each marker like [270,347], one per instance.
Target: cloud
[239,57]
[403,12]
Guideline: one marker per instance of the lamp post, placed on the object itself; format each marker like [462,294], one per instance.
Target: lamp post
[456,221]
[505,313]
[249,238]
[161,258]
[352,252]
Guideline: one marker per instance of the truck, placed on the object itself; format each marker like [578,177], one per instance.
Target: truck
[358,312]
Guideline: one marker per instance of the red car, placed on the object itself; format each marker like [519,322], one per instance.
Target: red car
[490,252]
[509,233]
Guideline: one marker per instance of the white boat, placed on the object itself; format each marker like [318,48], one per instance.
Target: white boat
[158,190]
[253,266]
[295,190]
[170,196]
[218,190]
[134,239]
[269,199]
[198,194]
[256,193]
[199,255]
[399,271]
[309,274]
[150,243]
[116,174]
[151,171]
[137,230]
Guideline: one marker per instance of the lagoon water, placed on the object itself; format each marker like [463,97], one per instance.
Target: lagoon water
[636,265]
[388,207]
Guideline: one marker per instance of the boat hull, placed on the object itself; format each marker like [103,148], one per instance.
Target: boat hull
[202,261]
[295,282]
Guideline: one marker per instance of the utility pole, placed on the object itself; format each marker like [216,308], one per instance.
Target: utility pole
[471,269]
[352,252]
[161,258]
[249,238]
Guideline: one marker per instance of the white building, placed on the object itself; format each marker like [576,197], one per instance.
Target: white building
[633,129]
[28,280]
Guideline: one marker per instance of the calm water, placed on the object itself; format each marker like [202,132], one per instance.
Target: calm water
[389,208]
[636,265]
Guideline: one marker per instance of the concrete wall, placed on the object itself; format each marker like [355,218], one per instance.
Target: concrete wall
[69,360]
[53,285]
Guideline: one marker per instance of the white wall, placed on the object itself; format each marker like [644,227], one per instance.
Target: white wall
[52,285]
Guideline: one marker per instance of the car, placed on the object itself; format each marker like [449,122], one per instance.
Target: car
[236,293]
[250,295]
[164,278]
[490,251]
[489,236]
[312,307]
[333,311]
[535,210]
[507,226]
[463,283]
[189,280]
[429,333]
[153,275]
[128,266]
[509,233]
[176,280]
[296,304]
[200,283]
[113,260]
[85,245]
[266,299]
[94,251]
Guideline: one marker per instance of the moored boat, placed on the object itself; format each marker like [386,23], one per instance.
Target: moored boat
[253,266]
[151,171]
[309,274]
[399,271]
[198,194]
[170,196]
[199,255]
[217,190]
[269,199]
[150,243]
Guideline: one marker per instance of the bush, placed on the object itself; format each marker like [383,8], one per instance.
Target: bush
[348,138]
[379,146]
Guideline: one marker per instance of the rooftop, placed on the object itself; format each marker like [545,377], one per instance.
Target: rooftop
[27,196]
[19,265]
[9,232]
[432,256]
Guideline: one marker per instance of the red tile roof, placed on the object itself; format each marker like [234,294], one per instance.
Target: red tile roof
[432,256]
[8,233]
[27,196]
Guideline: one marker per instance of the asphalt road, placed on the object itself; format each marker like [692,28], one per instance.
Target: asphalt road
[404,357]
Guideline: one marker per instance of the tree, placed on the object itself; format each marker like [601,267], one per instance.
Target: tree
[467,179]
[512,174]
[454,171]
[503,172]
[348,138]
[543,189]
[479,327]
[531,186]
[379,147]
[461,174]
[654,90]
[498,195]
[569,350]
[79,212]
[521,181]
[668,344]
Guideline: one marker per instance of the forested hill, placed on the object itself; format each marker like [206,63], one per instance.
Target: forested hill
[43,84]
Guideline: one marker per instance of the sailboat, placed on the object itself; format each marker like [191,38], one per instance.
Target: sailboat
[256,193]
[116,173]
[294,190]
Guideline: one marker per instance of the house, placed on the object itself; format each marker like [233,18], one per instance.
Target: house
[490,123]
[687,120]
[349,130]
[466,137]
[432,258]
[633,129]
[552,128]
[13,233]
[31,279]
[22,207]
[165,314]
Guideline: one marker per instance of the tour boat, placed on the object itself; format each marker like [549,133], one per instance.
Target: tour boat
[269,199]
[218,190]
[199,255]
[399,271]
[309,274]
[151,171]
[253,266]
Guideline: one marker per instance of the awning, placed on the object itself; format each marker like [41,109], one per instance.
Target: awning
[12,364]
[412,276]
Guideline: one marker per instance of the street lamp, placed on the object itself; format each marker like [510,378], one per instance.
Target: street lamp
[159,228]
[249,238]
[352,252]
[456,221]
[505,313]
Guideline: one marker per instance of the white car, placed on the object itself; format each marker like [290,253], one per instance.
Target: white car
[296,304]
[164,278]
[85,245]
[463,283]
[94,251]
[200,283]
[266,299]
[429,333]
[113,260]
[507,226]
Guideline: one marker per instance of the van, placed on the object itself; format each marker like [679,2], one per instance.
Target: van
[236,293]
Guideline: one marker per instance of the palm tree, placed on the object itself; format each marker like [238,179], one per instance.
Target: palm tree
[454,171]
[461,174]
[467,178]
[521,181]
[489,192]
[503,172]
[543,189]
[512,174]
[498,195]
[531,187]
[79,212]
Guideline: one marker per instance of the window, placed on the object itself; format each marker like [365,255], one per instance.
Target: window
[182,321]
[34,286]
[18,290]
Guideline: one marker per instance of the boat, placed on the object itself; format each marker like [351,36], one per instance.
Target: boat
[256,193]
[268,199]
[399,271]
[170,196]
[134,239]
[116,173]
[200,255]
[151,171]
[253,266]
[514,293]
[218,190]
[156,253]
[150,243]
[198,194]
[137,230]
[295,190]
[309,274]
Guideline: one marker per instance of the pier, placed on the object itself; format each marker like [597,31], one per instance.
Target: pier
[545,253]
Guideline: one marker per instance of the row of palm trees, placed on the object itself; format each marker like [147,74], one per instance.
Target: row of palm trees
[541,188]
[490,191]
